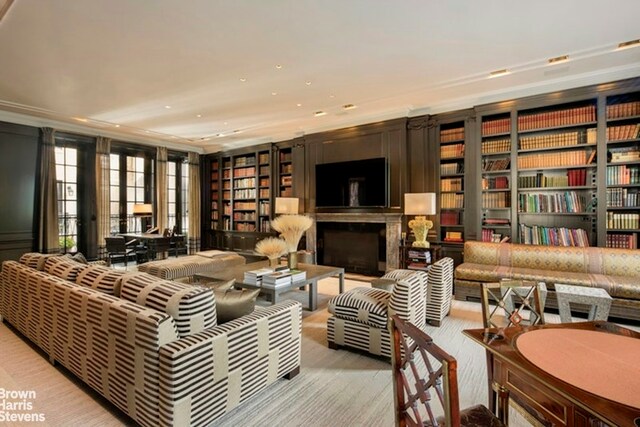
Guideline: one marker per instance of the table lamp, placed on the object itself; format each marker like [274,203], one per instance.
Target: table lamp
[287,205]
[420,204]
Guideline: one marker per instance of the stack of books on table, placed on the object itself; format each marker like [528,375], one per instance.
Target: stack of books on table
[298,275]
[254,277]
[276,279]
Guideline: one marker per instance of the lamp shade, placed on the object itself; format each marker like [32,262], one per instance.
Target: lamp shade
[420,203]
[287,205]
[142,209]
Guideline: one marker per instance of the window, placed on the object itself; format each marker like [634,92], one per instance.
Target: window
[177,194]
[135,191]
[67,180]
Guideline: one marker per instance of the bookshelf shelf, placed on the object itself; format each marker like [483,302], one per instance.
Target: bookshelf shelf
[496,190]
[559,213]
[559,148]
[557,168]
[500,172]
[554,189]
[452,141]
[623,141]
[559,127]
[633,117]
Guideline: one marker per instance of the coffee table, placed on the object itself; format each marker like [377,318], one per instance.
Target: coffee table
[314,273]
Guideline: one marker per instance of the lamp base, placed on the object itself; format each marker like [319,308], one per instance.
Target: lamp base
[424,244]
[420,226]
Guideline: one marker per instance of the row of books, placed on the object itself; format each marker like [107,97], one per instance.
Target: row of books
[274,277]
[451,201]
[451,151]
[264,182]
[264,170]
[623,175]
[570,116]
[245,194]
[564,139]
[553,236]
[489,235]
[264,208]
[496,146]
[623,133]
[624,241]
[495,183]
[265,225]
[264,193]
[492,165]
[285,156]
[625,109]
[450,218]
[453,236]
[288,168]
[263,157]
[226,185]
[239,173]
[496,221]
[448,135]
[451,184]
[561,202]
[572,178]
[623,221]
[622,197]
[624,154]
[244,216]
[499,199]
[286,180]
[244,205]
[243,226]
[244,183]
[244,161]
[555,159]
[451,168]
[492,127]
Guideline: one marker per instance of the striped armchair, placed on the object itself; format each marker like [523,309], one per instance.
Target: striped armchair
[360,318]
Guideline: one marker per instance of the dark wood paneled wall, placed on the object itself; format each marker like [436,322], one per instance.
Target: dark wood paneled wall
[18,174]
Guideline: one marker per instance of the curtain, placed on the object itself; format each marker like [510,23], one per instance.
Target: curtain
[103,166]
[194,202]
[162,214]
[48,232]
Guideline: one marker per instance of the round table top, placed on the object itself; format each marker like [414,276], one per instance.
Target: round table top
[601,363]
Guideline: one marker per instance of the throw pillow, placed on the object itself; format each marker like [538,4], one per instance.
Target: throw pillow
[219,286]
[78,257]
[232,304]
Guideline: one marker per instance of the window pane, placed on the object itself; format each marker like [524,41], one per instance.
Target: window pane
[131,194]
[59,154]
[171,168]
[139,195]
[115,208]
[71,173]
[114,161]
[71,192]
[140,164]
[71,209]
[114,177]
[140,179]
[172,197]
[131,178]
[71,156]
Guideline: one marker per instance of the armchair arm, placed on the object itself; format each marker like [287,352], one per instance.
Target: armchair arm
[409,299]
[205,375]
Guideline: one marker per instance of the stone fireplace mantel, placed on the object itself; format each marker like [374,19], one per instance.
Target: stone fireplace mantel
[393,223]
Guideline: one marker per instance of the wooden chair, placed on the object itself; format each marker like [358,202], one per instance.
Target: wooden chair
[118,247]
[157,246]
[178,245]
[422,370]
[511,298]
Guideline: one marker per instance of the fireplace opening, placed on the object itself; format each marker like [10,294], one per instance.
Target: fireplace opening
[357,247]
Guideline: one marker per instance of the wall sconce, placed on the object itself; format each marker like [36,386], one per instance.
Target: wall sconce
[420,204]
[287,205]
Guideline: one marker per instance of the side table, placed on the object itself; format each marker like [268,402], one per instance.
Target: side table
[597,298]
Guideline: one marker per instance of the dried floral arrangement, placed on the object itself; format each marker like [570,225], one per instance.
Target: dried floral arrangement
[291,228]
[272,247]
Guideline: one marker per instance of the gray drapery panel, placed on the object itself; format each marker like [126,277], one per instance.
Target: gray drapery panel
[48,233]
[162,218]
[194,202]
[103,166]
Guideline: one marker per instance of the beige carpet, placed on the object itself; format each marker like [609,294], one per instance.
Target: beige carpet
[334,388]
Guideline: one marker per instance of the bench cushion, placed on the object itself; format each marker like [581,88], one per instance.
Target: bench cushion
[364,305]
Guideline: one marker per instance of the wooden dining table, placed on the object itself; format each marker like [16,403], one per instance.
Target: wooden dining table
[568,374]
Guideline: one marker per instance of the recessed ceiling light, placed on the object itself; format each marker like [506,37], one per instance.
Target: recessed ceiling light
[349,106]
[279,67]
[332,96]
[198,115]
[630,43]
[498,73]
[308,83]
[298,105]
[242,79]
[558,59]
[117,126]
[224,123]
[220,135]
[146,131]
[80,119]
[168,107]
[319,113]
[274,93]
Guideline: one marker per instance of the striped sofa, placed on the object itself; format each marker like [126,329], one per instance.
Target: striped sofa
[151,347]
[615,270]
[360,317]
[200,262]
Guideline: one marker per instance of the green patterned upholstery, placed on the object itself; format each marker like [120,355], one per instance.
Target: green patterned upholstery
[133,354]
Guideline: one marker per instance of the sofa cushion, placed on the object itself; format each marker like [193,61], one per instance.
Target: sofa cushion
[64,268]
[364,305]
[557,258]
[36,260]
[193,308]
[103,279]
[232,304]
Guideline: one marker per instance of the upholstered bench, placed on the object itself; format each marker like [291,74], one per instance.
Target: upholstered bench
[200,262]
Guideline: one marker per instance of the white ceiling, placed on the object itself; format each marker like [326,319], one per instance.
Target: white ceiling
[93,64]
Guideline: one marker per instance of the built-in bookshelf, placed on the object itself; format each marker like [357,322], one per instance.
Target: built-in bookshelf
[623,170]
[452,154]
[214,195]
[495,154]
[557,174]
[264,191]
[285,172]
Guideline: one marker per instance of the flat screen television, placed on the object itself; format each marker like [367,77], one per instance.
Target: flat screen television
[353,184]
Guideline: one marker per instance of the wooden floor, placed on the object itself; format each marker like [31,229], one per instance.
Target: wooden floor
[334,387]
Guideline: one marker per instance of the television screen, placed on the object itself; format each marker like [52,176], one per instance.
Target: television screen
[357,183]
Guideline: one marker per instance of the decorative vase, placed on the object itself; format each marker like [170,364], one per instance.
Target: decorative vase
[274,262]
[292,260]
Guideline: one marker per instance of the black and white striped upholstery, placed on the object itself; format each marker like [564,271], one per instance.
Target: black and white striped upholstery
[102,279]
[174,268]
[193,308]
[64,268]
[133,355]
[351,325]
[35,260]
[439,290]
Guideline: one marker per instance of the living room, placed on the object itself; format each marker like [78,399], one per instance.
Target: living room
[525,135]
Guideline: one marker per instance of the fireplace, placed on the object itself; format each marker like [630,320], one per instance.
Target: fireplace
[358,247]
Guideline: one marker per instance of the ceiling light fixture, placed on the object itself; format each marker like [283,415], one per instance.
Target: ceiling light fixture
[349,107]
[630,43]
[332,96]
[242,79]
[298,105]
[498,73]
[168,107]
[117,126]
[308,83]
[274,93]
[279,67]
[558,59]
[198,115]
[320,113]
